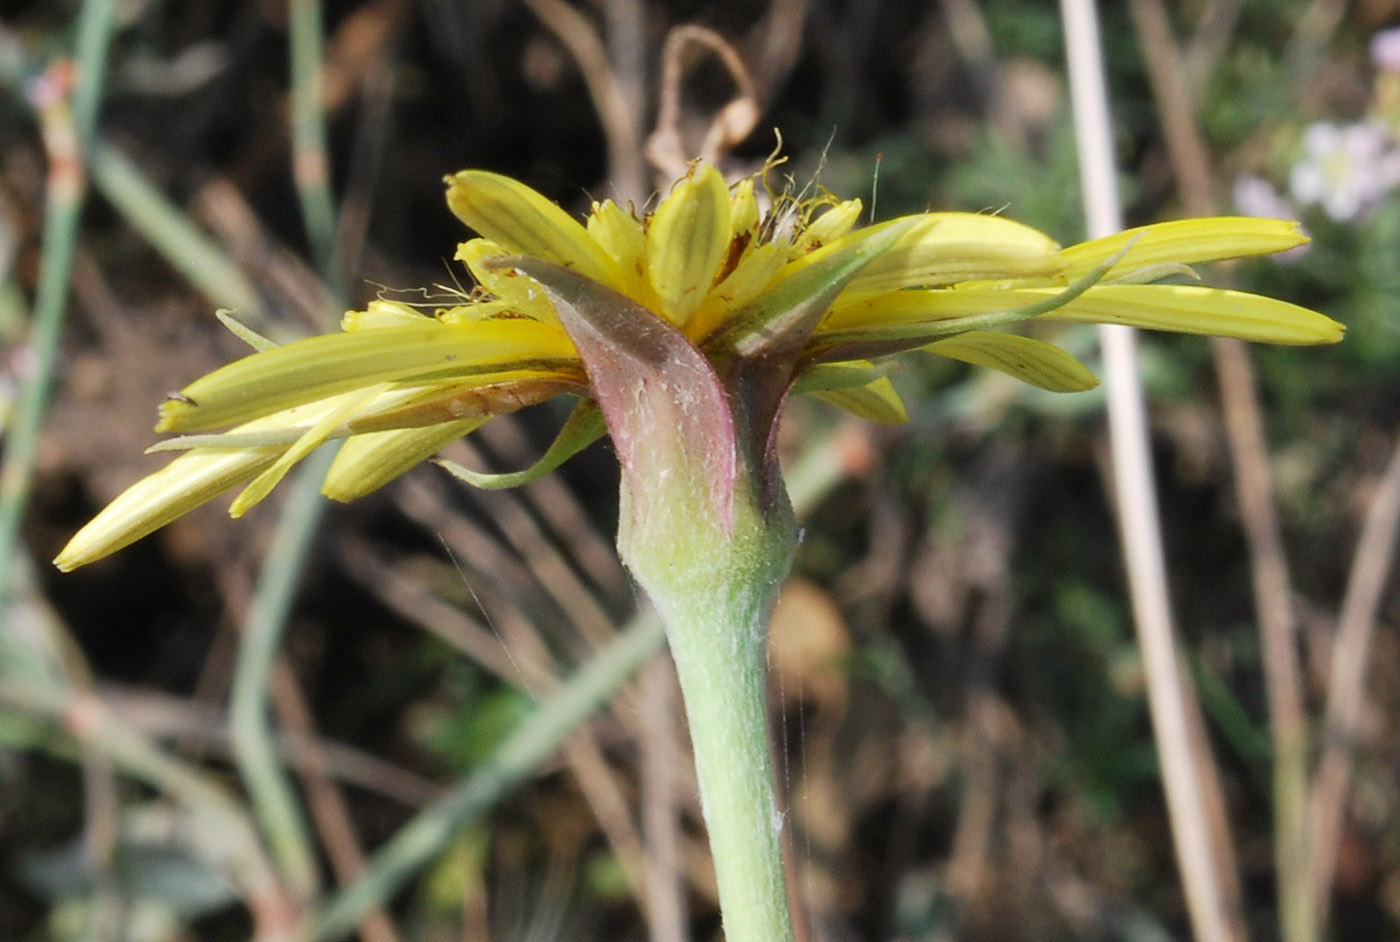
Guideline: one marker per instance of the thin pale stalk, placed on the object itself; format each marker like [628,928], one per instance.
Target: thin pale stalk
[254,746]
[610,98]
[626,37]
[1372,567]
[66,134]
[1137,509]
[229,840]
[533,741]
[191,254]
[1283,679]
[270,790]
[310,160]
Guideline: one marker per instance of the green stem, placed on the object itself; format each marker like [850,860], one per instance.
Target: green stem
[311,161]
[817,471]
[228,840]
[718,649]
[66,134]
[714,588]
[270,791]
[533,741]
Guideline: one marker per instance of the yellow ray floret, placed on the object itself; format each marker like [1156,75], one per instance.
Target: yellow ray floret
[687,239]
[325,366]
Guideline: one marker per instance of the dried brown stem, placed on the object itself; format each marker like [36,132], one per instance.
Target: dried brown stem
[1190,777]
[530,659]
[1346,690]
[660,803]
[327,806]
[667,148]
[594,554]
[1254,491]
[161,717]
[549,567]
[621,127]
[779,40]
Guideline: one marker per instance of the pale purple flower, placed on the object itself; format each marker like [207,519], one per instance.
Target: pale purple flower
[1255,196]
[9,392]
[1345,169]
[18,367]
[23,363]
[1385,50]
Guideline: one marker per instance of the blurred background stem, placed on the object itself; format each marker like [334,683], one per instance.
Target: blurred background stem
[1273,592]
[68,125]
[191,253]
[1188,773]
[310,162]
[270,789]
[228,837]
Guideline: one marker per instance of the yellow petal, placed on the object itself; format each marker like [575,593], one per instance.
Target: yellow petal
[1031,361]
[943,248]
[621,236]
[381,313]
[758,269]
[231,441]
[829,226]
[157,499]
[522,294]
[318,367]
[687,240]
[877,402]
[857,387]
[1191,309]
[478,311]
[743,208]
[440,401]
[1184,241]
[794,303]
[367,462]
[522,221]
[619,233]
[310,440]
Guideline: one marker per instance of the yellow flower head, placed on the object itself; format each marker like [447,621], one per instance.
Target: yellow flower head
[721,308]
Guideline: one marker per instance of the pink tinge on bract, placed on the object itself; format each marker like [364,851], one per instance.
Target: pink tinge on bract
[665,408]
